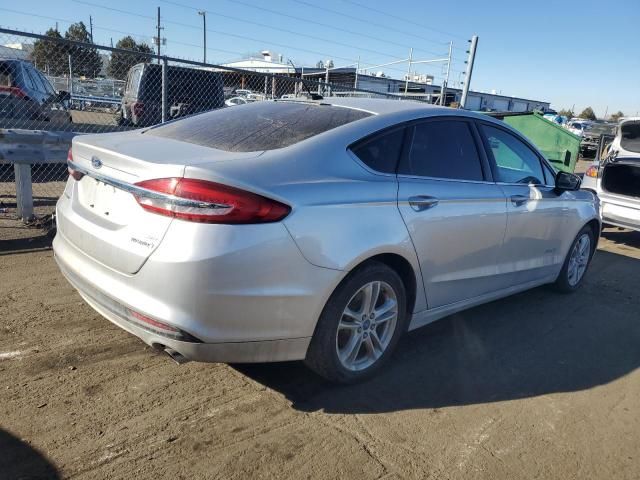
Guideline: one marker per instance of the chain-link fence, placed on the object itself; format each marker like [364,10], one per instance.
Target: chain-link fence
[51,84]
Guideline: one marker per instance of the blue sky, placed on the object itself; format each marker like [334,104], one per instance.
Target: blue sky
[567,52]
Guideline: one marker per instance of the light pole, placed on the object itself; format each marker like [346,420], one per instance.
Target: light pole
[204,31]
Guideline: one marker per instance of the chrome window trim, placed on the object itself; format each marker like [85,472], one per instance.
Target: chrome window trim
[144,192]
[441,179]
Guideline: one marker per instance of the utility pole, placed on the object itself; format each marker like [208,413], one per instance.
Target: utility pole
[355,82]
[443,92]
[469,62]
[91,28]
[406,83]
[158,37]
[204,32]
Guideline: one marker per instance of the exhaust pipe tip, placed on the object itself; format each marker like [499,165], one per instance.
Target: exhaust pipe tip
[176,356]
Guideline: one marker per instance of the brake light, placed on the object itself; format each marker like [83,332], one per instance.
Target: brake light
[592,171]
[73,172]
[137,108]
[208,202]
[15,91]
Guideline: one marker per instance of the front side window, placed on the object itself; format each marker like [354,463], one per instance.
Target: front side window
[443,149]
[381,152]
[515,161]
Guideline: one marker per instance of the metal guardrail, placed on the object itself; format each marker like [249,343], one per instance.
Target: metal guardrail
[95,99]
[24,148]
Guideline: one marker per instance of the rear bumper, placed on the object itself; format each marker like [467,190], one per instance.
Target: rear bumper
[621,215]
[247,294]
[229,352]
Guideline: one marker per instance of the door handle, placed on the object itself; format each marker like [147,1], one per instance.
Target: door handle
[519,200]
[422,202]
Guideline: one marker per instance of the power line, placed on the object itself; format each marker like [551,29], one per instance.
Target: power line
[368,22]
[149,17]
[327,25]
[280,29]
[257,40]
[387,14]
[121,32]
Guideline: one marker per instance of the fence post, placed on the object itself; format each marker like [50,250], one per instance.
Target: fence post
[165,85]
[24,190]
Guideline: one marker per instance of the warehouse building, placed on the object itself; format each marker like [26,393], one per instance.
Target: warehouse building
[418,87]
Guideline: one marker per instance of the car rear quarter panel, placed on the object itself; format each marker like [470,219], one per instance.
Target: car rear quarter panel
[342,214]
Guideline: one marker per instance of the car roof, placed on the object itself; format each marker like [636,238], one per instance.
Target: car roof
[378,106]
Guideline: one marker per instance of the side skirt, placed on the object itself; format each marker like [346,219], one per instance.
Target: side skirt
[425,317]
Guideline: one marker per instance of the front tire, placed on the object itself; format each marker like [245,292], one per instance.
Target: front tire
[577,262]
[360,325]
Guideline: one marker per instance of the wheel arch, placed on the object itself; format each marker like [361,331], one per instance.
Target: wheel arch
[411,279]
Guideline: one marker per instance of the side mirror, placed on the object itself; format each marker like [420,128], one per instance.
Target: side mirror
[567,181]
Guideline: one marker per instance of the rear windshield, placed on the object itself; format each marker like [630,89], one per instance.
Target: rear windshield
[258,126]
[630,136]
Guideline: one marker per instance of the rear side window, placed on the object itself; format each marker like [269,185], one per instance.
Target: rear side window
[443,149]
[258,126]
[381,152]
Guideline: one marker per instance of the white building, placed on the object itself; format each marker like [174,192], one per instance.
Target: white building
[263,64]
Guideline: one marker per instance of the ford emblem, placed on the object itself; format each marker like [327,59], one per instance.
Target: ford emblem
[96,162]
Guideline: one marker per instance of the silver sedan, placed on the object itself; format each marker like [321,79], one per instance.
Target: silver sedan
[314,230]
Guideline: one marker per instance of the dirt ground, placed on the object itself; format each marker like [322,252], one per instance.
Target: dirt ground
[539,385]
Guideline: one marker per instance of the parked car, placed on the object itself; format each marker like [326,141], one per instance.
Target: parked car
[236,101]
[25,93]
[190,90]
[321,231]
[591,137]
[578,127]
[615,177]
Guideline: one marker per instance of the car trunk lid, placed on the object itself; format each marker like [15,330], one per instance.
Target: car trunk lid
[104,219]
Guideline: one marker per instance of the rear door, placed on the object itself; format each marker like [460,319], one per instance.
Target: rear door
[455,214]
[538,215]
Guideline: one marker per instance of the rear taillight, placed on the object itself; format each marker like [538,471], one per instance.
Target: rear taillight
[592,172]
[73,172]
[207,202]
[14,91]
[137,108]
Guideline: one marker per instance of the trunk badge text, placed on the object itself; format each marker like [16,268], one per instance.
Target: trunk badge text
[96,162]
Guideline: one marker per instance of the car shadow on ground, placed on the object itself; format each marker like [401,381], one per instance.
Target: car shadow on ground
[530,344]
[18,460]
[622,236]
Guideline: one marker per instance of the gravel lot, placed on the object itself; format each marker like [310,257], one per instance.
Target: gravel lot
[539,385]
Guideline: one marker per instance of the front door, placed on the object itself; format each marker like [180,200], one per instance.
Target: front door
[537,215]
[455,214]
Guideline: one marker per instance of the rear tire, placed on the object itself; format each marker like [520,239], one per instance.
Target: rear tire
[577,262]
[360,325]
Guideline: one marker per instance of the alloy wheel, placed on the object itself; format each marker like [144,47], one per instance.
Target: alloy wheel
[367,325]
[579,259]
